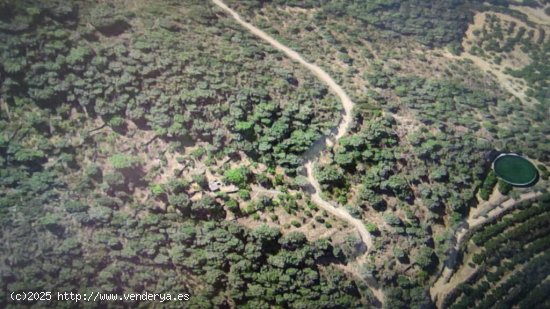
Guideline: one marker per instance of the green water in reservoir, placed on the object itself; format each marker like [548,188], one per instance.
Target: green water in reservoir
[515,170]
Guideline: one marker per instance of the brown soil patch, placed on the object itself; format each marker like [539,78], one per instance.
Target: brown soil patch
[535,15]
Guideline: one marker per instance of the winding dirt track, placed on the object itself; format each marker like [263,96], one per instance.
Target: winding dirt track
[313,153]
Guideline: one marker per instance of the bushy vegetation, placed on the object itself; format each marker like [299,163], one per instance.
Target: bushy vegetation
[114,119]
[488,186]
[94,100]
[433,24]
[416,176]
[497,39]
[449,103]
[168,80]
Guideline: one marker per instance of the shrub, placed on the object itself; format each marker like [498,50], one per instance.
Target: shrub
[157,189]
[238,176]
[244,194]
[488,185]
[371,227]
[123,161]
[79,55]
[114,179]
[75,206]
[52,222]
[108,20]
[232,205]
[504,187]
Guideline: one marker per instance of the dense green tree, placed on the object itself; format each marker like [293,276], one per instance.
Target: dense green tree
[330,175]
[238,176]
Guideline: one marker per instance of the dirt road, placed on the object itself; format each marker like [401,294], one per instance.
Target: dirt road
[312,155]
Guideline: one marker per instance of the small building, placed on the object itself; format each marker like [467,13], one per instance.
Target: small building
[218,185]
[215,185]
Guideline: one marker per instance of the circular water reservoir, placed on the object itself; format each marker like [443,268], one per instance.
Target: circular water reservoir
[515,170]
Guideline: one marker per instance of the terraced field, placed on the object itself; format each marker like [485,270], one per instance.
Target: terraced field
[512,260]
